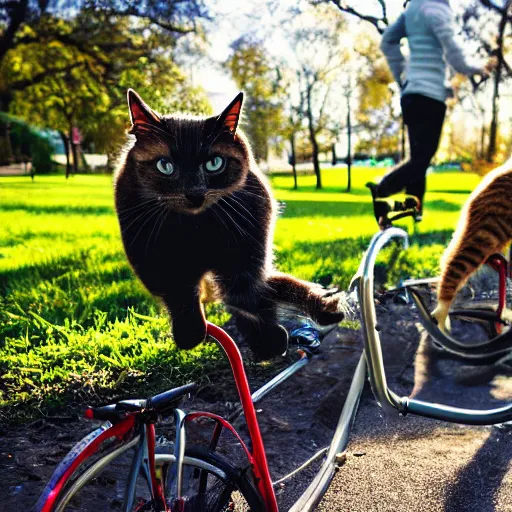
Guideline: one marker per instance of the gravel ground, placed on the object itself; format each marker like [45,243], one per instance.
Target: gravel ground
[415,464]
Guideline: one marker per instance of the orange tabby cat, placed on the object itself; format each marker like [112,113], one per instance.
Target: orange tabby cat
[485,227]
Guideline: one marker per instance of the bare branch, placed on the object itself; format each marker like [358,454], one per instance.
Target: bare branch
[496,8]
[490,5]
[378,23]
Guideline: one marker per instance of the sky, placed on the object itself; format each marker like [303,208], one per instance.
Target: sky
[260,17]
[268,19]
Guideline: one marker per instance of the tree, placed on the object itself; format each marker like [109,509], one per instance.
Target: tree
[485,21]
[253,71]
[90,92]
[364,11]
[53,30]
[25,22]
[319,54]
[489,22]
[294,118]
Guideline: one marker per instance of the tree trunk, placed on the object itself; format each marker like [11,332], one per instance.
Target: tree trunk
[312,138]
[349,145]
[402,138]
[493,131]
[334,160]
[294,162]
[110,162]
[74,149]
[87,167]
[6,155]
[65,140]
[482,140]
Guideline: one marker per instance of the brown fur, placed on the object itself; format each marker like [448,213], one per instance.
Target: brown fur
[485,227]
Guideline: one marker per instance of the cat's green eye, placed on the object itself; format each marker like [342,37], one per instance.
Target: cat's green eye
[215,164]
[165,167]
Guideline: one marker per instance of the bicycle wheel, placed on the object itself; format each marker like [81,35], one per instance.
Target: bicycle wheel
[210,483]
[96,484]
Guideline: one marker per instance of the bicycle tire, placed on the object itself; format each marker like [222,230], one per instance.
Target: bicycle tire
[85,473]
[489,325]
[236,480]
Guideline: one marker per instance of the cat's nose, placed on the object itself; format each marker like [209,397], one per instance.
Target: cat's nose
[195,198]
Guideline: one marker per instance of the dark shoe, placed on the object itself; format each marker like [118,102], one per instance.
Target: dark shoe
[381,207]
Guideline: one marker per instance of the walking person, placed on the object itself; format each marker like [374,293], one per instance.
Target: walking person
[429,27]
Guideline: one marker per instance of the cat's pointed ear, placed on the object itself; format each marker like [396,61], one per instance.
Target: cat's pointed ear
[140,112]
[230,117]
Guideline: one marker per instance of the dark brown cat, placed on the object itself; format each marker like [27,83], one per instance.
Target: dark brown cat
[191,202]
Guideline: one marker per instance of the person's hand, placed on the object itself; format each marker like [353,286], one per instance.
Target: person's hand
[490,66]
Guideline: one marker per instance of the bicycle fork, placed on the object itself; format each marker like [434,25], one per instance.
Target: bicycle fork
[144,461]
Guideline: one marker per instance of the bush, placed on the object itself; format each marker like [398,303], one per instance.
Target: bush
[28,145]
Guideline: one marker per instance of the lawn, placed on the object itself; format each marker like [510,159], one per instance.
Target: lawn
[74,322]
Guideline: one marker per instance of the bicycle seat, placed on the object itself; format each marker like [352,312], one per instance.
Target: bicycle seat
[155,404]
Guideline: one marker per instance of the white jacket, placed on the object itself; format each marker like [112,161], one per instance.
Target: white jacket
[430,29]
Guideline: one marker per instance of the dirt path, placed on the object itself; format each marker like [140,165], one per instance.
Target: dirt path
[400,464]
[393,464]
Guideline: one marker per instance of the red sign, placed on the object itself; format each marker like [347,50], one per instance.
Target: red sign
[76,137]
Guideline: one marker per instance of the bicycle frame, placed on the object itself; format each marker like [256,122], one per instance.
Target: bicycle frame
[261,471]
[389,400]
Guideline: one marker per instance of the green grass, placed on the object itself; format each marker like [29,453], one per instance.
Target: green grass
[74,322]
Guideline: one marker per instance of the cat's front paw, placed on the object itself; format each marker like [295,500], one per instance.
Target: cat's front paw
[440,315]
[329,308]
[271,342]
[189,333]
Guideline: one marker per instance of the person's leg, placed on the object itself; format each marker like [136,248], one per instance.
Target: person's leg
[396,179]
[424,119]
[424,134]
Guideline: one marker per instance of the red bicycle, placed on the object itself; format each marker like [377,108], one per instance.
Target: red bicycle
[190,478]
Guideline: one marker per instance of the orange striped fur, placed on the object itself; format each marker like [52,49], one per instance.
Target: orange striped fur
[484,228]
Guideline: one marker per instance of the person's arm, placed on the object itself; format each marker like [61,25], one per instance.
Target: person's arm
[440,19]
[390,46]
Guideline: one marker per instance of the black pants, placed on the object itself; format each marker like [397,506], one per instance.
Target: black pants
[424,119]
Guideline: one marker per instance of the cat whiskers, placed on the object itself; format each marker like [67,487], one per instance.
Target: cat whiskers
[242,231]
[140,215]
[161,216]
[149,214]
[240,214]
[233,197]
[128,212]
[220,218]
[247,193]
[164,218]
